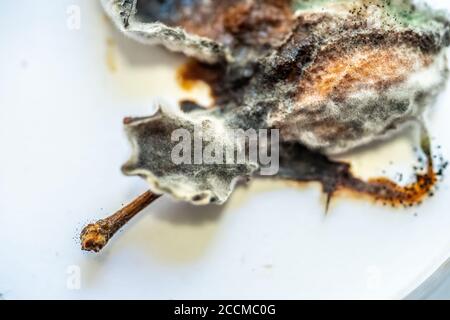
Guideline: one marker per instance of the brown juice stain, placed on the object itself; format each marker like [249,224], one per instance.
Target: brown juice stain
[298,165]
[379,190]
[111,61]
[185,79]
[387,192]
[190,74]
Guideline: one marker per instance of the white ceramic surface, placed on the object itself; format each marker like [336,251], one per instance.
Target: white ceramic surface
[63,94]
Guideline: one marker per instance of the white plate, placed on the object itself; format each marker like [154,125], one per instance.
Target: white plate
[61,108]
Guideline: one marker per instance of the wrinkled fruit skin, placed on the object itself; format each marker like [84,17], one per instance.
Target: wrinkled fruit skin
[331,75]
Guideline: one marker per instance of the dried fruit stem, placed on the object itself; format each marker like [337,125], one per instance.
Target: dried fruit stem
[96,235]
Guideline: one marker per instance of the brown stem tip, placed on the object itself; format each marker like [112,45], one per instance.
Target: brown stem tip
[96,235]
